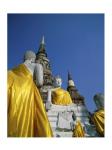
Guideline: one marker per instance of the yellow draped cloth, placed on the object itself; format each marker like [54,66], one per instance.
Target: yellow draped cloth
[26,113]
[98,119]
[78,130]
[61,97]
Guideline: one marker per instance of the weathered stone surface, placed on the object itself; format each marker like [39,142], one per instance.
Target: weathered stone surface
[64,120]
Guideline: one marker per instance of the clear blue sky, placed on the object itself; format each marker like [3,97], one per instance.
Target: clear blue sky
[74,42]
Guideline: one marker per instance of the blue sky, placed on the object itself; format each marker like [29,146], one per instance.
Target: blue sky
[74,42]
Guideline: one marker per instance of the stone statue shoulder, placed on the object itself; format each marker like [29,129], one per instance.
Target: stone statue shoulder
[30,66]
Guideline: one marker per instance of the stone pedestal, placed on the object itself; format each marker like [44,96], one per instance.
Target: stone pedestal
[62,121]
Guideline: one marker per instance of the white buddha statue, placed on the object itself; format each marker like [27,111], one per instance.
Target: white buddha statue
[26,112]
[35,69]
[59,96]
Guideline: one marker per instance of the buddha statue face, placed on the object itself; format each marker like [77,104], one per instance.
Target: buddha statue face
[57,81]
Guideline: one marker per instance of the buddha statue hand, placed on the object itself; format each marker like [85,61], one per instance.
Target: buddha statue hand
[48,105]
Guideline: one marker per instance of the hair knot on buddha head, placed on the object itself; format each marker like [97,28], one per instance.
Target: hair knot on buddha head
[57,81]
[29,55]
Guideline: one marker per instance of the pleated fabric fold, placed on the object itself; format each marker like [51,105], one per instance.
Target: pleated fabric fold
[98,119]
[78,130]
[61,97]
[26,112]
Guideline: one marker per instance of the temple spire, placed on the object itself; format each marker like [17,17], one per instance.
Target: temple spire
[76,97]
[70,81]
[41,57]
[69,76]
[43,41]
[42,47]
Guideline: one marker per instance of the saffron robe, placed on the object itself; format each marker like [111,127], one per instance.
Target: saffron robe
[78,130]
[26,113]
[61,97]
[98,119]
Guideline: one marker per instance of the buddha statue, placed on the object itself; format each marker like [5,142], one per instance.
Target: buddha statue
[59,96]
[26,112]
[99,100]
[99,114]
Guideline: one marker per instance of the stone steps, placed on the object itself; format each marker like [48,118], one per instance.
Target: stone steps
[52,116]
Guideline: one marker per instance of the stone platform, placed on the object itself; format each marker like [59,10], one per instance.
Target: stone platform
[61,118]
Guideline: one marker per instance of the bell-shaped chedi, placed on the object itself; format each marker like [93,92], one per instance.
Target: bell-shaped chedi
[75,95]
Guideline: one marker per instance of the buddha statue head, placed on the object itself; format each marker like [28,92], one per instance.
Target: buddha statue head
[30,55]
[57,81]
[99,100]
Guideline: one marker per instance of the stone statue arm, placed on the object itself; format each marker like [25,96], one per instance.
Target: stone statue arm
[49,95]
[38,73]
[49,98]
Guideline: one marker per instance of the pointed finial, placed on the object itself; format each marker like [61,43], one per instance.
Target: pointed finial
[43,41]
[69,76]
[42,47]
[70,81]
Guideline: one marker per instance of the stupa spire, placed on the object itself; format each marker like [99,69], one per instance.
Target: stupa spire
[41,57]
[43,41]
[70,81]
[42,46]
[76,97]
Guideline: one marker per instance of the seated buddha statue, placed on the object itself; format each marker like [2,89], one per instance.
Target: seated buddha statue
[57,95]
